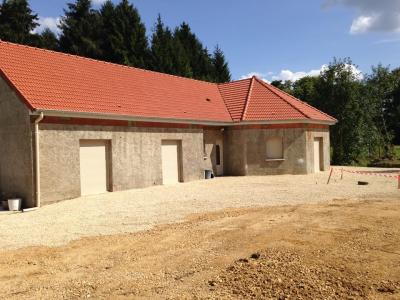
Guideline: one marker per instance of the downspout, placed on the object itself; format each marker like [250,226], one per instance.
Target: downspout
[37,159]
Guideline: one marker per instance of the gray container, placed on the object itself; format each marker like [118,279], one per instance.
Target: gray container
[208,174]
[14,204]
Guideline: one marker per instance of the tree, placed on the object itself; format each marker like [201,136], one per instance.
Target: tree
[110,40]
[163,54]
[221,69]
[128,37]
[79,30]
[181,53]
[193,51]
[48,40]
[285,86]
[392,109]
[305,89]
[17,21]
[380,86]
[340,94]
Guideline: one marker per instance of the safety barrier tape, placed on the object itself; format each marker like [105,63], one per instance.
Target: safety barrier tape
[371,173]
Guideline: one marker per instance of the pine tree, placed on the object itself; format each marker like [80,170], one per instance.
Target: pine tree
[80,30]
[221,69]
[193,51]
[129,37]
[48,40]
[17,21]
[110,37]
[168,53]
[162,49]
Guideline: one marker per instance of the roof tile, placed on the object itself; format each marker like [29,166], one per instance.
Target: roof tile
[48,80]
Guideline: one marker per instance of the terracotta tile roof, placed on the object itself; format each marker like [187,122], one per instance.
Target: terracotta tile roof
[264,102]
[48,80]
[53,81]
[235,95]
[309,111]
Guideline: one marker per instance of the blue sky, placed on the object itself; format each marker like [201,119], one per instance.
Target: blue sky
[283,39]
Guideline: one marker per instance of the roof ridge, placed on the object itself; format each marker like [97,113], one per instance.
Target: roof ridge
[104,62]
[223,100]
[272,90]
[234,81]
[305,103]
[248,97]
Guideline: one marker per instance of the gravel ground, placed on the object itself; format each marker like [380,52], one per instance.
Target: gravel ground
[142,209]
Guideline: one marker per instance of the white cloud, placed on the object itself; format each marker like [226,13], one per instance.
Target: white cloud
[286,74]
[361,24]
[48,22]
[358,73]
[372,15]
[98,2]
[294,76]
[262,76]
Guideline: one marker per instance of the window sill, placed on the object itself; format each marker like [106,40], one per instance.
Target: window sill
[274,159]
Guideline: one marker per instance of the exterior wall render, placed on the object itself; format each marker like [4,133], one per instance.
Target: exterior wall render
[246,151]
[16,152]
[135,156]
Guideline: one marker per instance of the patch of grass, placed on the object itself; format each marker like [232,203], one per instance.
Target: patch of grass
[388,163]
[397,151]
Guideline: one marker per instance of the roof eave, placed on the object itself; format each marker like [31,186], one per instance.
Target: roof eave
[288,121]
[105,116]
[90,115]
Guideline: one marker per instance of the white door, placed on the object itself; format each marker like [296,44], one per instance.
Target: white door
[219,158]
[170,162]
[317,155]
[93,167]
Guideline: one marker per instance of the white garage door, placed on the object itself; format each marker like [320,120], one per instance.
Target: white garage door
[93,166]
[317,155]
[170,161]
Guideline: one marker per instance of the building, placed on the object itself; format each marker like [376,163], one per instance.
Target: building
[72,126]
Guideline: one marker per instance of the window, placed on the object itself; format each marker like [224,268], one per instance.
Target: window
[275,148]
[218,155]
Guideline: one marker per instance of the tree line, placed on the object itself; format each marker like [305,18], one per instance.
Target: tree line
[115,33]
[368,108]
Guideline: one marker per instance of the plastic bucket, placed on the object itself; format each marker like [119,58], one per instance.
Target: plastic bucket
[208,174]
[14,204]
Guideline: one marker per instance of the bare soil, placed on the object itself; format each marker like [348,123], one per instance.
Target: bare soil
[341,249]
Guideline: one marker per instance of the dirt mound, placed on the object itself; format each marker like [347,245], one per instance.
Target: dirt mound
[287,274]
[343,249]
